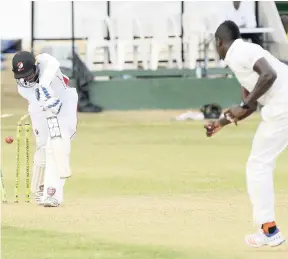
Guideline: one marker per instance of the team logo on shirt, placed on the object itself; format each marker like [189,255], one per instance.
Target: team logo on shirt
[20,66]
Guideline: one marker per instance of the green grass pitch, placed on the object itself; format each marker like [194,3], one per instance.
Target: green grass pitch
[143,187]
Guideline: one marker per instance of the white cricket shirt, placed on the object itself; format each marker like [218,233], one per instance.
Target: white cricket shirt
[51,77]
[241,58]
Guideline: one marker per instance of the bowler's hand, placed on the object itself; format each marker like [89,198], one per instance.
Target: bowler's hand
[234,114]
[212,127]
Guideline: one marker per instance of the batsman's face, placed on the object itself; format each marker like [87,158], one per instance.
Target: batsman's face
[30,80]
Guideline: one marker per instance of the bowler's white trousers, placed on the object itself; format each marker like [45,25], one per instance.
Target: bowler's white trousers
[67,119]
[270,140]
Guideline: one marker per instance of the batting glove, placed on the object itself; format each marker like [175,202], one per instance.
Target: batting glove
[53,104]
[48,101]
[43,93]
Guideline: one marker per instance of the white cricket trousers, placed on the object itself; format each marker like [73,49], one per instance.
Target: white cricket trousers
[270,140]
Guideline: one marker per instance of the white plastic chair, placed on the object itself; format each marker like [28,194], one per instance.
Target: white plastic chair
[194,33]
[160,38]
[212,21]
[125,30]
[96,40]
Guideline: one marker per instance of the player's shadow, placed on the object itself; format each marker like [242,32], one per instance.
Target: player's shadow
[268,250]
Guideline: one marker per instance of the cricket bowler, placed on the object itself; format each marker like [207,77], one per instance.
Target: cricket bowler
[52,106]
[264,80]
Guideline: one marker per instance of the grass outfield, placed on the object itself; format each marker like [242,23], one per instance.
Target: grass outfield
[144,187]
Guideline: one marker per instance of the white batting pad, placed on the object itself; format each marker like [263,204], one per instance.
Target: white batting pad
[54,171]
[59,144]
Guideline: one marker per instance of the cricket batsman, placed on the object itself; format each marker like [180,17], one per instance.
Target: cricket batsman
[52,106]
[264,80]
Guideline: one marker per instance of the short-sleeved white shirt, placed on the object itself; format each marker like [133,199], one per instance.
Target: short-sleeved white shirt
[241,58]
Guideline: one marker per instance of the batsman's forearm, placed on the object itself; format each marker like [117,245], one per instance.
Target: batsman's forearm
[263,84]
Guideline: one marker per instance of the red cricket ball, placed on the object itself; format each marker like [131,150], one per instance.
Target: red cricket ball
[9,139]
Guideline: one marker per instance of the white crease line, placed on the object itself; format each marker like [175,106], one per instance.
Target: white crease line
[6,115]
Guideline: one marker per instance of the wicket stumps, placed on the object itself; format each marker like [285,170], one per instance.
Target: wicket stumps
[23,123]
[3,191]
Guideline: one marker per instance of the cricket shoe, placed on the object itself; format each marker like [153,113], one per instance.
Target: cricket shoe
[261,239]
[50,202]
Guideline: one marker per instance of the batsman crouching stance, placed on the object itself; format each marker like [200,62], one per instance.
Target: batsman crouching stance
[264,80]
[53,111]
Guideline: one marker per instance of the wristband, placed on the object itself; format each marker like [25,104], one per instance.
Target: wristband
[244,105]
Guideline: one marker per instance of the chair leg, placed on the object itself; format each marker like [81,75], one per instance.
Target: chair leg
[90,51]
[105,57]
[113,57]
[154,56]
[192,55]
[144,54]
[120,55]
[170,56]
[178,56]
[135,56]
